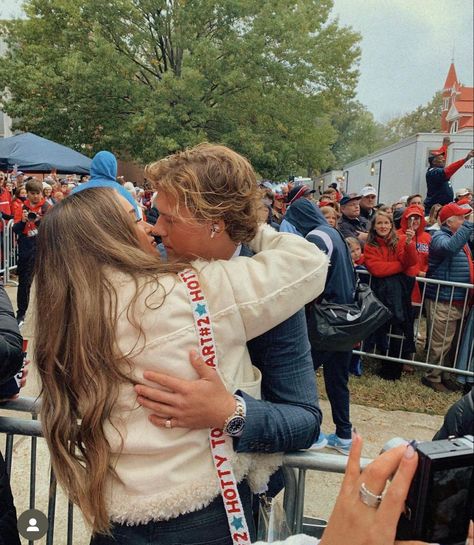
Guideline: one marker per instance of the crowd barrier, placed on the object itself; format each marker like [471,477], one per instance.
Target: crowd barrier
[457,357]
[9,251]
[295,466]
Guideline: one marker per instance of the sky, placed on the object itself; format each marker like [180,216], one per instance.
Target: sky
[407,47]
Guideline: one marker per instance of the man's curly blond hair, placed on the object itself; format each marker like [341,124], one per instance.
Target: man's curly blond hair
[214,183]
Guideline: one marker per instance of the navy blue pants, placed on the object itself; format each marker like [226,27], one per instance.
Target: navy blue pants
[336,378]
[205,527]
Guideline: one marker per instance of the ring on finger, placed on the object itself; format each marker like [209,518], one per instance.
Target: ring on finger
[369,498]
[168,423]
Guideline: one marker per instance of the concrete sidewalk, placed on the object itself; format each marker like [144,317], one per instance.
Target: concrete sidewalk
[375,425]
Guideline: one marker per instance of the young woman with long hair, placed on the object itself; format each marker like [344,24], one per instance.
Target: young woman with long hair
[388,257]
[117,310]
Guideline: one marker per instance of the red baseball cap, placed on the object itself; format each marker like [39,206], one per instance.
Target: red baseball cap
[451,209]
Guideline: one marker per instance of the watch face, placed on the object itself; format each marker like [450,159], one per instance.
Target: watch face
[235,425]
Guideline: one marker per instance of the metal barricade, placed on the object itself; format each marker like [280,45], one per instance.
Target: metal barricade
[295,466]
[442,354]
[14,426]
[3,259]
[11,252]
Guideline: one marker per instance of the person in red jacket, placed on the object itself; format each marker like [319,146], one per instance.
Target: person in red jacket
[387,253]
[413,218]
[388,257]
[18,201]
[5,201]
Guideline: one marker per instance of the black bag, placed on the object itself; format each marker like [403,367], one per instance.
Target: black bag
[335,327]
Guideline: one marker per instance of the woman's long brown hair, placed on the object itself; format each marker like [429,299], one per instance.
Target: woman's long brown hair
[391,239]
[80,240]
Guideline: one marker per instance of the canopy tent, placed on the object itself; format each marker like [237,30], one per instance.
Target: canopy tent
[31,153]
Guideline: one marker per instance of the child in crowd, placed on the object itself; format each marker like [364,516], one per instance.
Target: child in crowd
[357,255]
[27,220]
[331,215]
[355,248]
[389,257]
[18,201]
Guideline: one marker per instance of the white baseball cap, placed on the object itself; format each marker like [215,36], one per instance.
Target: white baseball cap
[463,192]
[368,190]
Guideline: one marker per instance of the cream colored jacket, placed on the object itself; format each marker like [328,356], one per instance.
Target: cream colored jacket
[162,473]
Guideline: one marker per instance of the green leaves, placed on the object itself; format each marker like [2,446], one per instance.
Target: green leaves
[147,77]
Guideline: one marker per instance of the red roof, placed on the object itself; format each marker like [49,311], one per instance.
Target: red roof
[466,122]
[466,93]
[464,107]
[451,78]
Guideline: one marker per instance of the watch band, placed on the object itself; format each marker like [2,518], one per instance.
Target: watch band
[235,423]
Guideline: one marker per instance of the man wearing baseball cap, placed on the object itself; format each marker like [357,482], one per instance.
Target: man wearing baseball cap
[352,224]
[299,192]
[368,202]
[439,189]
[464,196]
[450,260]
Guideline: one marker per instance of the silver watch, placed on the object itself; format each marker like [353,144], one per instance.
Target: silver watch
[235,423]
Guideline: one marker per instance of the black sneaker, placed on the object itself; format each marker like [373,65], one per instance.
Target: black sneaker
[436,386]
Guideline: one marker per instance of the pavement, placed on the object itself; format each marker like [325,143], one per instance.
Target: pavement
[375,425]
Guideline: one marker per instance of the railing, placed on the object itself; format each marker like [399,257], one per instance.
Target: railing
[462,361]
[9,251]
[295,466]
[14,426]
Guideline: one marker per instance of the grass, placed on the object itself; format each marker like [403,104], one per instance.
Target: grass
[407,394]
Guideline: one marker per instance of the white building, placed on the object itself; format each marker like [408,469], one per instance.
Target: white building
[400,169]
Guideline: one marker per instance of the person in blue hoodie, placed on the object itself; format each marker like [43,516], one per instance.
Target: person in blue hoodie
[307,221]
[104,174]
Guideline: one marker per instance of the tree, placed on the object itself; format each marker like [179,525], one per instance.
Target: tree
[358,134]
[425,118]
[147,77]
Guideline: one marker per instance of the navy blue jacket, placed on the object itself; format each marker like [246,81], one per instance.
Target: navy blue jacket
[439,188]
[341,279]
[288,417]
[448,261]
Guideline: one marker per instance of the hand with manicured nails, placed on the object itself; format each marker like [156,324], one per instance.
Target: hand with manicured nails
[197,404]
[352,521]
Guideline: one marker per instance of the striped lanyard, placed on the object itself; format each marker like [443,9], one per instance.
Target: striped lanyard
[221,444]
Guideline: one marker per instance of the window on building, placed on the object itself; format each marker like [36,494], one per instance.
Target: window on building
[454,127]
[445,104]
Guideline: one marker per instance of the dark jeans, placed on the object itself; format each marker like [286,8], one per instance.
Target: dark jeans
[336,378]
[8,521]
[205,527]
[25,273]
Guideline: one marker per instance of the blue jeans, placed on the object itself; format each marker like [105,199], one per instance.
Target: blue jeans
[205,527]
[336,378]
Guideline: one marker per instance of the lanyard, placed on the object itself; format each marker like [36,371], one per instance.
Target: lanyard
[220,443]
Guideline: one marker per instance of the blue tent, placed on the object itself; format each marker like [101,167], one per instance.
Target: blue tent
[32,153]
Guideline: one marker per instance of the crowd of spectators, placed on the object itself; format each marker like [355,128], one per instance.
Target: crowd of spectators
[389,241]
[415,237]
